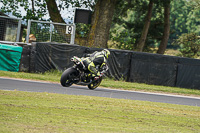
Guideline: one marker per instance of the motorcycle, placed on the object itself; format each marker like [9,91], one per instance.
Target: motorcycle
[80,75]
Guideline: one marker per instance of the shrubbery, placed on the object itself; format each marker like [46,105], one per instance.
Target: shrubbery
[189,45]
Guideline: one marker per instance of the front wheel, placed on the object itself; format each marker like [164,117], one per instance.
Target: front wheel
[95,84]
[67,78]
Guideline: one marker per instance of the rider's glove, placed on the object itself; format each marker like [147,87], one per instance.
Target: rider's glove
[98,74]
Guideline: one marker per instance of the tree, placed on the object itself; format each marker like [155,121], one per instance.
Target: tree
[129,21]
[145,30]
[101,22]
[54,13]
[189,45]
[178,19]
[184,20]
[166,31]
[193,21]
[15,8]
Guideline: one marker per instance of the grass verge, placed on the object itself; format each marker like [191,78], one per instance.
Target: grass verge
[54,76]
[32,112]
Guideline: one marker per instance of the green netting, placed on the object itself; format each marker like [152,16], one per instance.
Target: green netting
[10,57]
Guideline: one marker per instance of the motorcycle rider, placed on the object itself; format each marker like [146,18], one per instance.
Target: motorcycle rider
[96,59]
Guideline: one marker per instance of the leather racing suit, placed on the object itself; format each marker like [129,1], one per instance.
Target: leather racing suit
[97,59]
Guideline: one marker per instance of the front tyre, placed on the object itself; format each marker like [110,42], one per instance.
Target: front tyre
[95,84]
[67,78]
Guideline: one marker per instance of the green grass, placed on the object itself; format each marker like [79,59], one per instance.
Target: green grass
[32,112]
[54,76]
[150,88]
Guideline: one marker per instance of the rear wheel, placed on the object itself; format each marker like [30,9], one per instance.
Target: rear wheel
[95,84]
[67,78]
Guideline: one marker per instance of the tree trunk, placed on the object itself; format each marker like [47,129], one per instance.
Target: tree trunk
[101,22]
[33,7]
[145,30]
[54,13]
[164,41]
[55,16]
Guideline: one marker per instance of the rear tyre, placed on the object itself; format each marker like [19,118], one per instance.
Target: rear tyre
[67,78]
[95,84]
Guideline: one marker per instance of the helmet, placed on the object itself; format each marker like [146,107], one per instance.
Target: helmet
[106,53]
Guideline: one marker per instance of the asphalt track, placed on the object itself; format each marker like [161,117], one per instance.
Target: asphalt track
[35,86]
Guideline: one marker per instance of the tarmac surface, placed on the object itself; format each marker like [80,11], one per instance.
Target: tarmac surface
[37,86]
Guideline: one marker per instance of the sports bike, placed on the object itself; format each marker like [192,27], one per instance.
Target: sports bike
[80,75]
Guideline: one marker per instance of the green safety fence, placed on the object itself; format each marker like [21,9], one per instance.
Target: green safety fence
[10,57]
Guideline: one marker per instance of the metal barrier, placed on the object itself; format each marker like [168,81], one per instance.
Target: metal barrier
[10,29]
[42,31]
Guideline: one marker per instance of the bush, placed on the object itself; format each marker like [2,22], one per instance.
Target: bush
[189,45]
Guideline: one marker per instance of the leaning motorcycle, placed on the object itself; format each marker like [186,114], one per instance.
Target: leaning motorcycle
[80,75]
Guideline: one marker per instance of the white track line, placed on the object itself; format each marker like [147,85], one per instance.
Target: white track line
[150,93]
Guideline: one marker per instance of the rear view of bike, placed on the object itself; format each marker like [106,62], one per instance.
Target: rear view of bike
[69,77]
[79,75]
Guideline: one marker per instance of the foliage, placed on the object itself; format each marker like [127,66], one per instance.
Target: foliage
[189,45]
[37,10]
[123,39]
[128,24]
[184,18]
[82,30]
[193,19]
[129,20]
[15,8]
[185,27]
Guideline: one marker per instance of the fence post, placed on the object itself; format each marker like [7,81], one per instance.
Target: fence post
[73,34]
[18,30]
[51,30]
[28,31]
